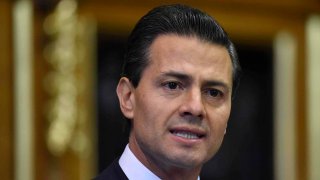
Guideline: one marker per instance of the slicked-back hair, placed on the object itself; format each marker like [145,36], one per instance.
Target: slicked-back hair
[175,19]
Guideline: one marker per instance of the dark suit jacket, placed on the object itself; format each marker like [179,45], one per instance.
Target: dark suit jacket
[113,172]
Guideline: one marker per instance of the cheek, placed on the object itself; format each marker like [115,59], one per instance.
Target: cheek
[218,129]
[219,120]
[146,113]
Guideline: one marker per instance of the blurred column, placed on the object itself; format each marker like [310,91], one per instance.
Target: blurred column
[69,84]
[284,121]
[23,83]
[313,98]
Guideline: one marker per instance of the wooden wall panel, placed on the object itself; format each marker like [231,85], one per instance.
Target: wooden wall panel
[248,22]
[6,91]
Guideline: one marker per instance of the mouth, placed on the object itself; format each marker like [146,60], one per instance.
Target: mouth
[187,134]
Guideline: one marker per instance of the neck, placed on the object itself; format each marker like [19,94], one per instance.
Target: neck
[178,174]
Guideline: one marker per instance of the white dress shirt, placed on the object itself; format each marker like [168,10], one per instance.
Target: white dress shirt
[133,168]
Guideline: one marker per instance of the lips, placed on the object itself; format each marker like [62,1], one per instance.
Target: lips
[188,133]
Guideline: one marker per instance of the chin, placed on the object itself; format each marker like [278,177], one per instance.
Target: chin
[188,162]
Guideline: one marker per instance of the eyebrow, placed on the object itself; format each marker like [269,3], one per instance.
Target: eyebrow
[178,75]
[187,78]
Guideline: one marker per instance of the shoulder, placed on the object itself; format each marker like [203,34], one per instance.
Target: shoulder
[112,172]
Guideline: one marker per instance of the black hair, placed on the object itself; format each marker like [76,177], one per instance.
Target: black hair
[176,19]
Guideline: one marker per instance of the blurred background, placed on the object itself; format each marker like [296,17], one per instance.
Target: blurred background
[60,61]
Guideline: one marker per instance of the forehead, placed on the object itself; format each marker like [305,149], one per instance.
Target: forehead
[189,55]
[171,48]
[172,44]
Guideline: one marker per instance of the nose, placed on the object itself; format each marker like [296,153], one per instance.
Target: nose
[192,104]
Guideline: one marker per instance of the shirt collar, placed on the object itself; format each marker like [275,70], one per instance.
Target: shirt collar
[133,168]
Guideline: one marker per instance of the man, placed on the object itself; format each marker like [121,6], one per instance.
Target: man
[179,76]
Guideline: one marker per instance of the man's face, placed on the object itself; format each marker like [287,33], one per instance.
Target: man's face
[181,106]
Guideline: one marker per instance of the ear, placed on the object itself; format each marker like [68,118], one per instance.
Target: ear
[126,97]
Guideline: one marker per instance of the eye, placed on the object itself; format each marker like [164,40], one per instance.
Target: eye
[214,93]
[172,85]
